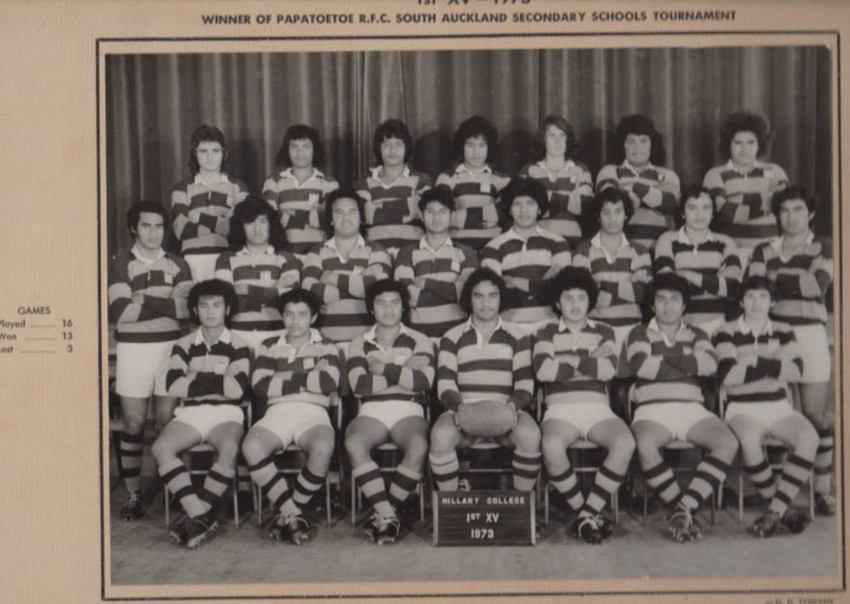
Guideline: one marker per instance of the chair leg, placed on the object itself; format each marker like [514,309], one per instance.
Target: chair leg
[353,503]
[167,506]
[260,501]
[546,505]
[615,503]
[811,496]
[422,502]
[740,498]
[645,503]
[236,501]
[327,502]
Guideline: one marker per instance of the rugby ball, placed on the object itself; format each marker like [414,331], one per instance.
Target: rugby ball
[485,419]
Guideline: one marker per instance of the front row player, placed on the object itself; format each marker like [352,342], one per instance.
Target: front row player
[485,382]
[758,359]
[296,372]
[391,368]
[669,357]
[574,359]
[209,369]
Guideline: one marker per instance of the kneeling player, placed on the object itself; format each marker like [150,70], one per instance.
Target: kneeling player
[574,359]
[390,367]
[668,357]
[485,382]
[758,358]
[209,369]
[296,372]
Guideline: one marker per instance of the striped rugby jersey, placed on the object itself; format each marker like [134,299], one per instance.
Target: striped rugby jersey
[657,190]
[201,213]
[301,207]
[284,374]
[570,191]
[715,259]
[779,361]
[743,200]
[584,381]
[620,304]
[470,370]
[392,210]
[478,221]
[399,381]
[801,280]
[341,284]
[509,255]
[204,374]
[669,371]
[266,276]
[148,297]
[435,307]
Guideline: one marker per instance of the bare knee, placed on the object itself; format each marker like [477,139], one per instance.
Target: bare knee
[355,447]
[416,450]
[725,446]
[444,438]
[320,450]
[228,452]
[623,447]
[526,437]
[253,449]
[553,447]
[163,451]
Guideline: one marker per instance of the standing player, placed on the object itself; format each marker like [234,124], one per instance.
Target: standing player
[392,190]
[391,368]
[297,191]
[526,255]
[668,357]
[654,191]
[259,270]
[568,183]
[147,297]
[485,383]
[209,369]
[339,270]
[297,371]
[800,266]
[706,260]
[474,184]
[202,204]
[758,358]
[435,269]
[743,186]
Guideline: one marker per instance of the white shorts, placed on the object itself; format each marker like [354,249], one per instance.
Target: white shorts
[140,368]
[814,350]
[581,415]
[288,421]
[202,266]
[390,413]
[767,414]
[204,418]
[255,338]
[678,418]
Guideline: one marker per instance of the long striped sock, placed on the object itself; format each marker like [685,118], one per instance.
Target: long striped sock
[525,470]
[273,482]
[178,480]
[567,485]
[710,473]
[605,485]
[370,482]
[663,482]
[402,485]
[306,486]
[130,450]
[445,470]
[794,475]
[823,461]
[761,475]
[218,479]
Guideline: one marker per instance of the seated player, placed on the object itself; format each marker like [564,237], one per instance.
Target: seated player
[800,266]
[526,256]
[573,359]
[202,204]
[392,190]
[296,371]
[297,189]
[668,357]
[474,184]
[758,357]
[485,383]
[210,370]
[147,298]
[391,368]
[568,183]
[638,154]
[339,270]
[435,269]
[258,269]
[705,259]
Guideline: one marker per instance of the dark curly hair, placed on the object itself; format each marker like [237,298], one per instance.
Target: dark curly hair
[470,128]
[300,296]
[743,121]
[671,281]
[539,141]
[638,124]
[523,187]
[793,192]
[392,129]
[344,193]
[213,287]
[610,195]
[757,282]
[151,207]
[247,212]
[298,132]
[693,192]
[203,134]
[383,286]
[442,195]
[481,275]
[573,277]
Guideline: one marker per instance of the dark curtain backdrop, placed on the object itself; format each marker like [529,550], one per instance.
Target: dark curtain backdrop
[153,102]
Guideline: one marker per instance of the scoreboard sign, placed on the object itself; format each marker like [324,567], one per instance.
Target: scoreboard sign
[484,518]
